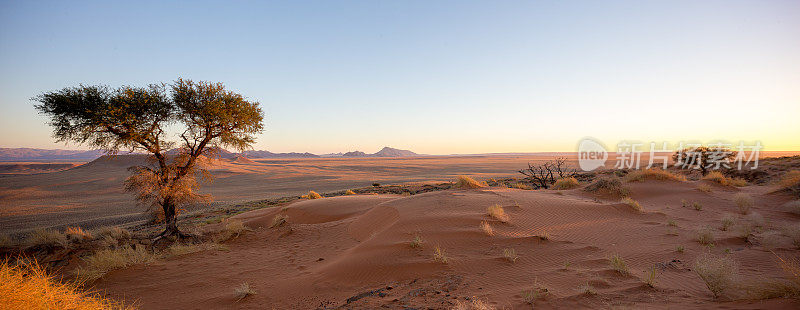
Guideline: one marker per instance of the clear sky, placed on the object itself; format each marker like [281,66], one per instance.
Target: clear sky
[436,77]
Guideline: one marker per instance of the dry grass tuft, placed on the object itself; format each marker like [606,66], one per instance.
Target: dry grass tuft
[311,195]
[26,285]
[474,304]
[77,234]
[744,202]
[349,192]
[679,249]
[697,206]
[487,228]
[522,186]
[510,255]
[672,223]
[705,236]
[467,182]
[497,212]
[115,232]
[650,277]
[757,219]
[727,222]
[233,229]
[417,242]
[46,237]
[608,186]
[243,290]
[439,256]
[279,220]
[653,174]
[719,273]
[719,178]
[566,183]
[705,188]
[633,204]
[179,249]
[103,261]
[587,289]
[618,264]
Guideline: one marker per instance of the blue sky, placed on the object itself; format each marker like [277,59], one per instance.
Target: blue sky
[436,77]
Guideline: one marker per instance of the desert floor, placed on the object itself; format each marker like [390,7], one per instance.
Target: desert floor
[93,195]
[354,252]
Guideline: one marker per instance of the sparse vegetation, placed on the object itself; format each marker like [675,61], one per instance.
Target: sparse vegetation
[719,178]
[566,183]
[510,255]
[718,273]
[233,229]
[672,223]
[757,219]
[679,249]
[311,195]
[697,206]
[794,235]
[608,186]
[538,292]
[349,192]
[744,202]
[439,256]
[705,188]
[790,181]
[466,182]
[497,212]
[705,236]
[542,175]
[26,285]
[100,262]
[243,290]
[744,231]
[279,220]
[46,237]
[727,221]
[178,249]
[474,304]
[618,264]
[633,204]
[77,234]
[521,186]
[587,289]
[703,157]
[650,277]
[115,232]
[417,242]
[653,174]
[487,228]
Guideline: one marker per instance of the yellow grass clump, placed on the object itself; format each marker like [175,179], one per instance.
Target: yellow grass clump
[417,242]
[744,202]
[727,222]
[439,256]
[650,277]
[718,273]
[618,264]
[46,237]
[705,236]
[608,186]
[101,262]
[243,290]
[521,186]
[510,255]
[487,228]
[497,212]
[26,285]
[279,220]
[77,234]
[311,195]
[790,181]
[719,178]
[115,232]
[467,182]
[705,188]
[653,174]
[474,304]
[633,203]
[566,183]
[349,192]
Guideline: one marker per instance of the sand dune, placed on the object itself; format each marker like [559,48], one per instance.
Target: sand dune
[354,252]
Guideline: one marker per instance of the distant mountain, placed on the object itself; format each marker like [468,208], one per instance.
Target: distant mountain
[268,154]
[340,154]
[392,152]
[29,154]
[355,154]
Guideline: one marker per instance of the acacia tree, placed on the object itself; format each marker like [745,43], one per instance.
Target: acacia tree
[135,119]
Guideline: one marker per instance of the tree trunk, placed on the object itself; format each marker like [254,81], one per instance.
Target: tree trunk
[170,222]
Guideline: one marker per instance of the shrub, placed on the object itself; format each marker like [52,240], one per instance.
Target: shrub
[439,255]
[705,236]
[474,304]
[487,228]
[349,192]
[608,186]
[618,264]
[26,285]
[522,186]
[77,234]
[279,220]
[653,174]
[745,231]
[756,219]
[417,242]
[115,232]
[103,261]
[510,255]
[467,182]
[650,277]
[705,188]
[719,178]
[633,204]
[727,221]
[790,181]
[566,183]
[587,289]
[497,212]
[243,290]
[697,206]
[743,202]
[311,195]
[679,249]
[718,273]
[672,223]
[46,237]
